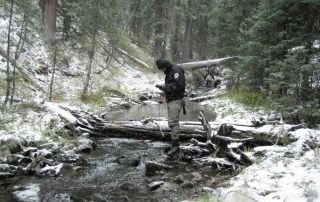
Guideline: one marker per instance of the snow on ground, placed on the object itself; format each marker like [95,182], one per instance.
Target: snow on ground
[280,173]
[289,173]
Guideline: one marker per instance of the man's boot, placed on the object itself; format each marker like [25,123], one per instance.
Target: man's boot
[174,148]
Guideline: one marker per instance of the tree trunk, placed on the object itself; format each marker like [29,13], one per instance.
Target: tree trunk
[88,77]
[53,72]
[137,21]
[176,39]
[187,45]
[159,44]
[17,54]
[49,20]
[9,79]
[202,36]
[66,18]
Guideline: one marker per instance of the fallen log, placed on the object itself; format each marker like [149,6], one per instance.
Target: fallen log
[207,97]
[150,128]
[218,144]
[143,64]
[205,63]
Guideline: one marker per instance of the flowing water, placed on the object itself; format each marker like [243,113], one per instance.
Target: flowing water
[105,180]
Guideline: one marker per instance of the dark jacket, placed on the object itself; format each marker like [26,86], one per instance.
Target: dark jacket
[174,83]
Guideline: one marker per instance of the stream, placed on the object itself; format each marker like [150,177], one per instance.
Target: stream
[103,179]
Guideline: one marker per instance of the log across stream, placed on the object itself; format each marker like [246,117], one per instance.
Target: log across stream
[206,139]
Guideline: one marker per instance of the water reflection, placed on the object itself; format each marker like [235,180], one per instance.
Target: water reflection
[160,110]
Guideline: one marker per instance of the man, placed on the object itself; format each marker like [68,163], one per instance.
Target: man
[174,93]
[208,78]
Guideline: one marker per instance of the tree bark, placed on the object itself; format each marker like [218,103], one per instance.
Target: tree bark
[176,39]
[159,44]
[49,20]
[89,67]
[203,35]
[8,75]
[53,72]
[187,44]
[66,18]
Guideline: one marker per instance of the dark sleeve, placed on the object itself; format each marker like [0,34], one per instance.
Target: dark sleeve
[179,81]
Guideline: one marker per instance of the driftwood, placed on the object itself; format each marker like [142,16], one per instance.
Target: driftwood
[222,155]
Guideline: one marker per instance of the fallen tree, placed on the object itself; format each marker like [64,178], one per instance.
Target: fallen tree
[206,63]
[202,141]
[262,132]
[221,154]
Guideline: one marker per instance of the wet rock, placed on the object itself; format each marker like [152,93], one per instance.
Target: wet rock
[50,170]
[2,159]
[134,144]
[85,135]
[143,97]
[127,186]
[49,146]
[28,193]
[14,159]
[14,147]
[4,151]
[197,176]
[187,184]
[44,161]
[5,168]
[100,197]
[67,148]
[37,143]
[179,179]
[165,177]
[27,151]
[69,170]
[43,153]
[125,105]
[71,157]
[154,185]
[167,187]
[84,145]
[76,198]
[130,160]
[25,160]
[152,167]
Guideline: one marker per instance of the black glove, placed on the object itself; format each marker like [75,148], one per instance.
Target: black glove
[160,87]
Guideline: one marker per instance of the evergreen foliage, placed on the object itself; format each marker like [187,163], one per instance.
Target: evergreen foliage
[274,39]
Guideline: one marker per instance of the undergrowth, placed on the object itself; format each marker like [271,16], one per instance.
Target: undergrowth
[249,97]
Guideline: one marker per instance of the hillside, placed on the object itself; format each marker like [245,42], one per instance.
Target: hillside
[281,173]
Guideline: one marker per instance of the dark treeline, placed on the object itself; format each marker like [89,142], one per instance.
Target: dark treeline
[277,41]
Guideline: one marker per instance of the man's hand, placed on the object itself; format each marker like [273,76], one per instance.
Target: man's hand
[161,87]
